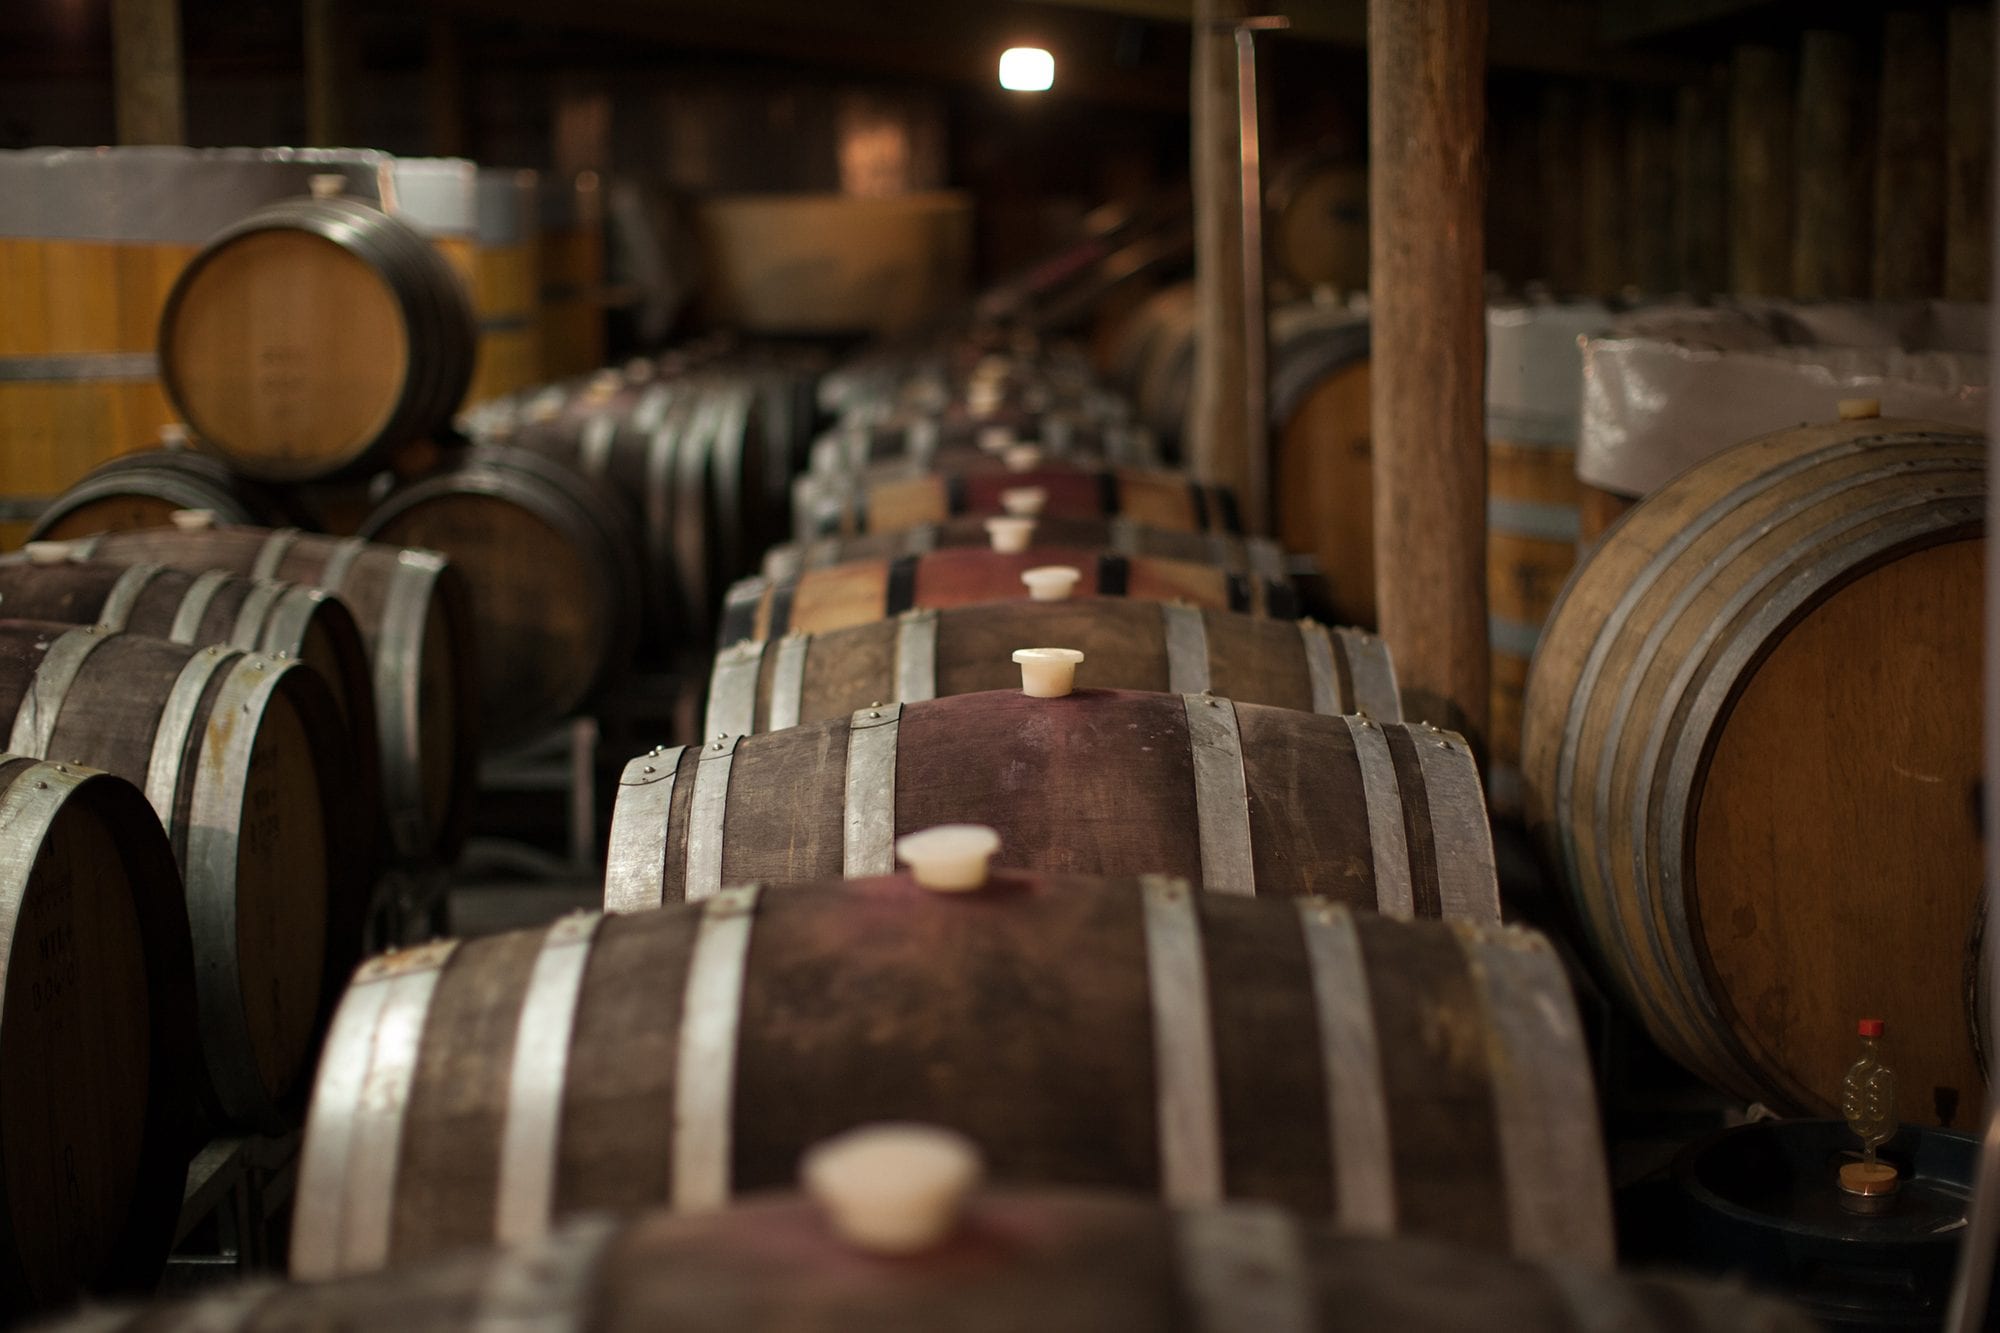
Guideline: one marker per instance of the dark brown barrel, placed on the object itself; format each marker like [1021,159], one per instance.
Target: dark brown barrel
[142,490]
[312,336]
[97,1057]
[1417,1077]
[863,590]
[1225,550]
[286,621]
[1322,462]
[768,684]
[1241,798]
[414,611]
[554,573]
[831,505]
[1057,1261]
[246,762]
[1751,747]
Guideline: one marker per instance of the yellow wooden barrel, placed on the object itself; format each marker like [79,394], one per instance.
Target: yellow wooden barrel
[1534,386]
[506,285]
[570,249]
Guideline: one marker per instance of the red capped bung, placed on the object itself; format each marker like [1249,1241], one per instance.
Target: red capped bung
[1871,1027]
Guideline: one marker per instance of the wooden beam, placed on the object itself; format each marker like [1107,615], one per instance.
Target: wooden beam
[1650,190]
[1760,174]
[444,87]
[330,68]
[1218,447]
[1701,196]
[1968,254]
[1561,140]
[1427,113]
[1909,160]
[1835,170]
[146,60]
[1606,260]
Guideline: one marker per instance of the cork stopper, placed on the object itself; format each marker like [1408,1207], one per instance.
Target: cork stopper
[46,553]
[1010,536]
[327,184]
[1869,1178]
[1024,501]
[996,439]
[1047,673]
[950,858]
[1051,583]
[1022,457]
[1859,409]
[892,1188]
[192,520]
[174,435]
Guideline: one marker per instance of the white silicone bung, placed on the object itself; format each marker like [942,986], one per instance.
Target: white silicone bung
[192,520]
[46,553]
[1010,536]
[1047,673]
[327,184]
[174,435]
[1022,457]
[1024,501]
[950,857]
[996,439]
[892,1188]
[1859,409]
[1051,583]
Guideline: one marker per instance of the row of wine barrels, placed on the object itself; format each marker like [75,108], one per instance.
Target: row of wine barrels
[1750,747]
[827,506]
[145,488]
[1119,536]
[312,336]
[414,612]
[1415,1077]
[1060,1261]
[554,576]
[97,1025]
[278,620]
[863,590]
[245,762]
[1238,797]
[506,284]
[770,684]
[857,444]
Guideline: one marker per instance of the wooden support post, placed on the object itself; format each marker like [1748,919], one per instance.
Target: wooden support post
[1605,258]
[330,72]
[146,55]
[444,87]
[1562,188]
[1830,234]
[1909,160]
[1427,110]
[1760,172]
[1217,449]
[1701,201]
[1968,185]
[1650,192]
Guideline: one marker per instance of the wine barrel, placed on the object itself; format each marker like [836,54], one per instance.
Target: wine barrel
[571,250]
[144,489]
[278,620]
[1238,555]
[939,440]
[97,993]
[1747,748]
[1323,458]
[863,590]
[830,505]
[1241,797]
[554,575]
[1317,205]
[1416,1077]
[414,611]
[245,762]
[769,684]
[506,284]
[312,336]
[1534,388]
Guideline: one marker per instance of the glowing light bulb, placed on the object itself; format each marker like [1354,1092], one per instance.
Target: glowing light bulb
[1027,69]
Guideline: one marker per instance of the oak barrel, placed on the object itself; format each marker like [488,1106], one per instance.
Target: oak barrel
[553,569]
[506,283]
[245,761]
[414,611]
[312,336]
[1317,211]
[769,684]
[1322,464]
[97,1058]
[278,620]
[1750,747]
[829,505]
[1237,554]
[144,489]
[863,590]
[1242,797]
[1416,1077]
